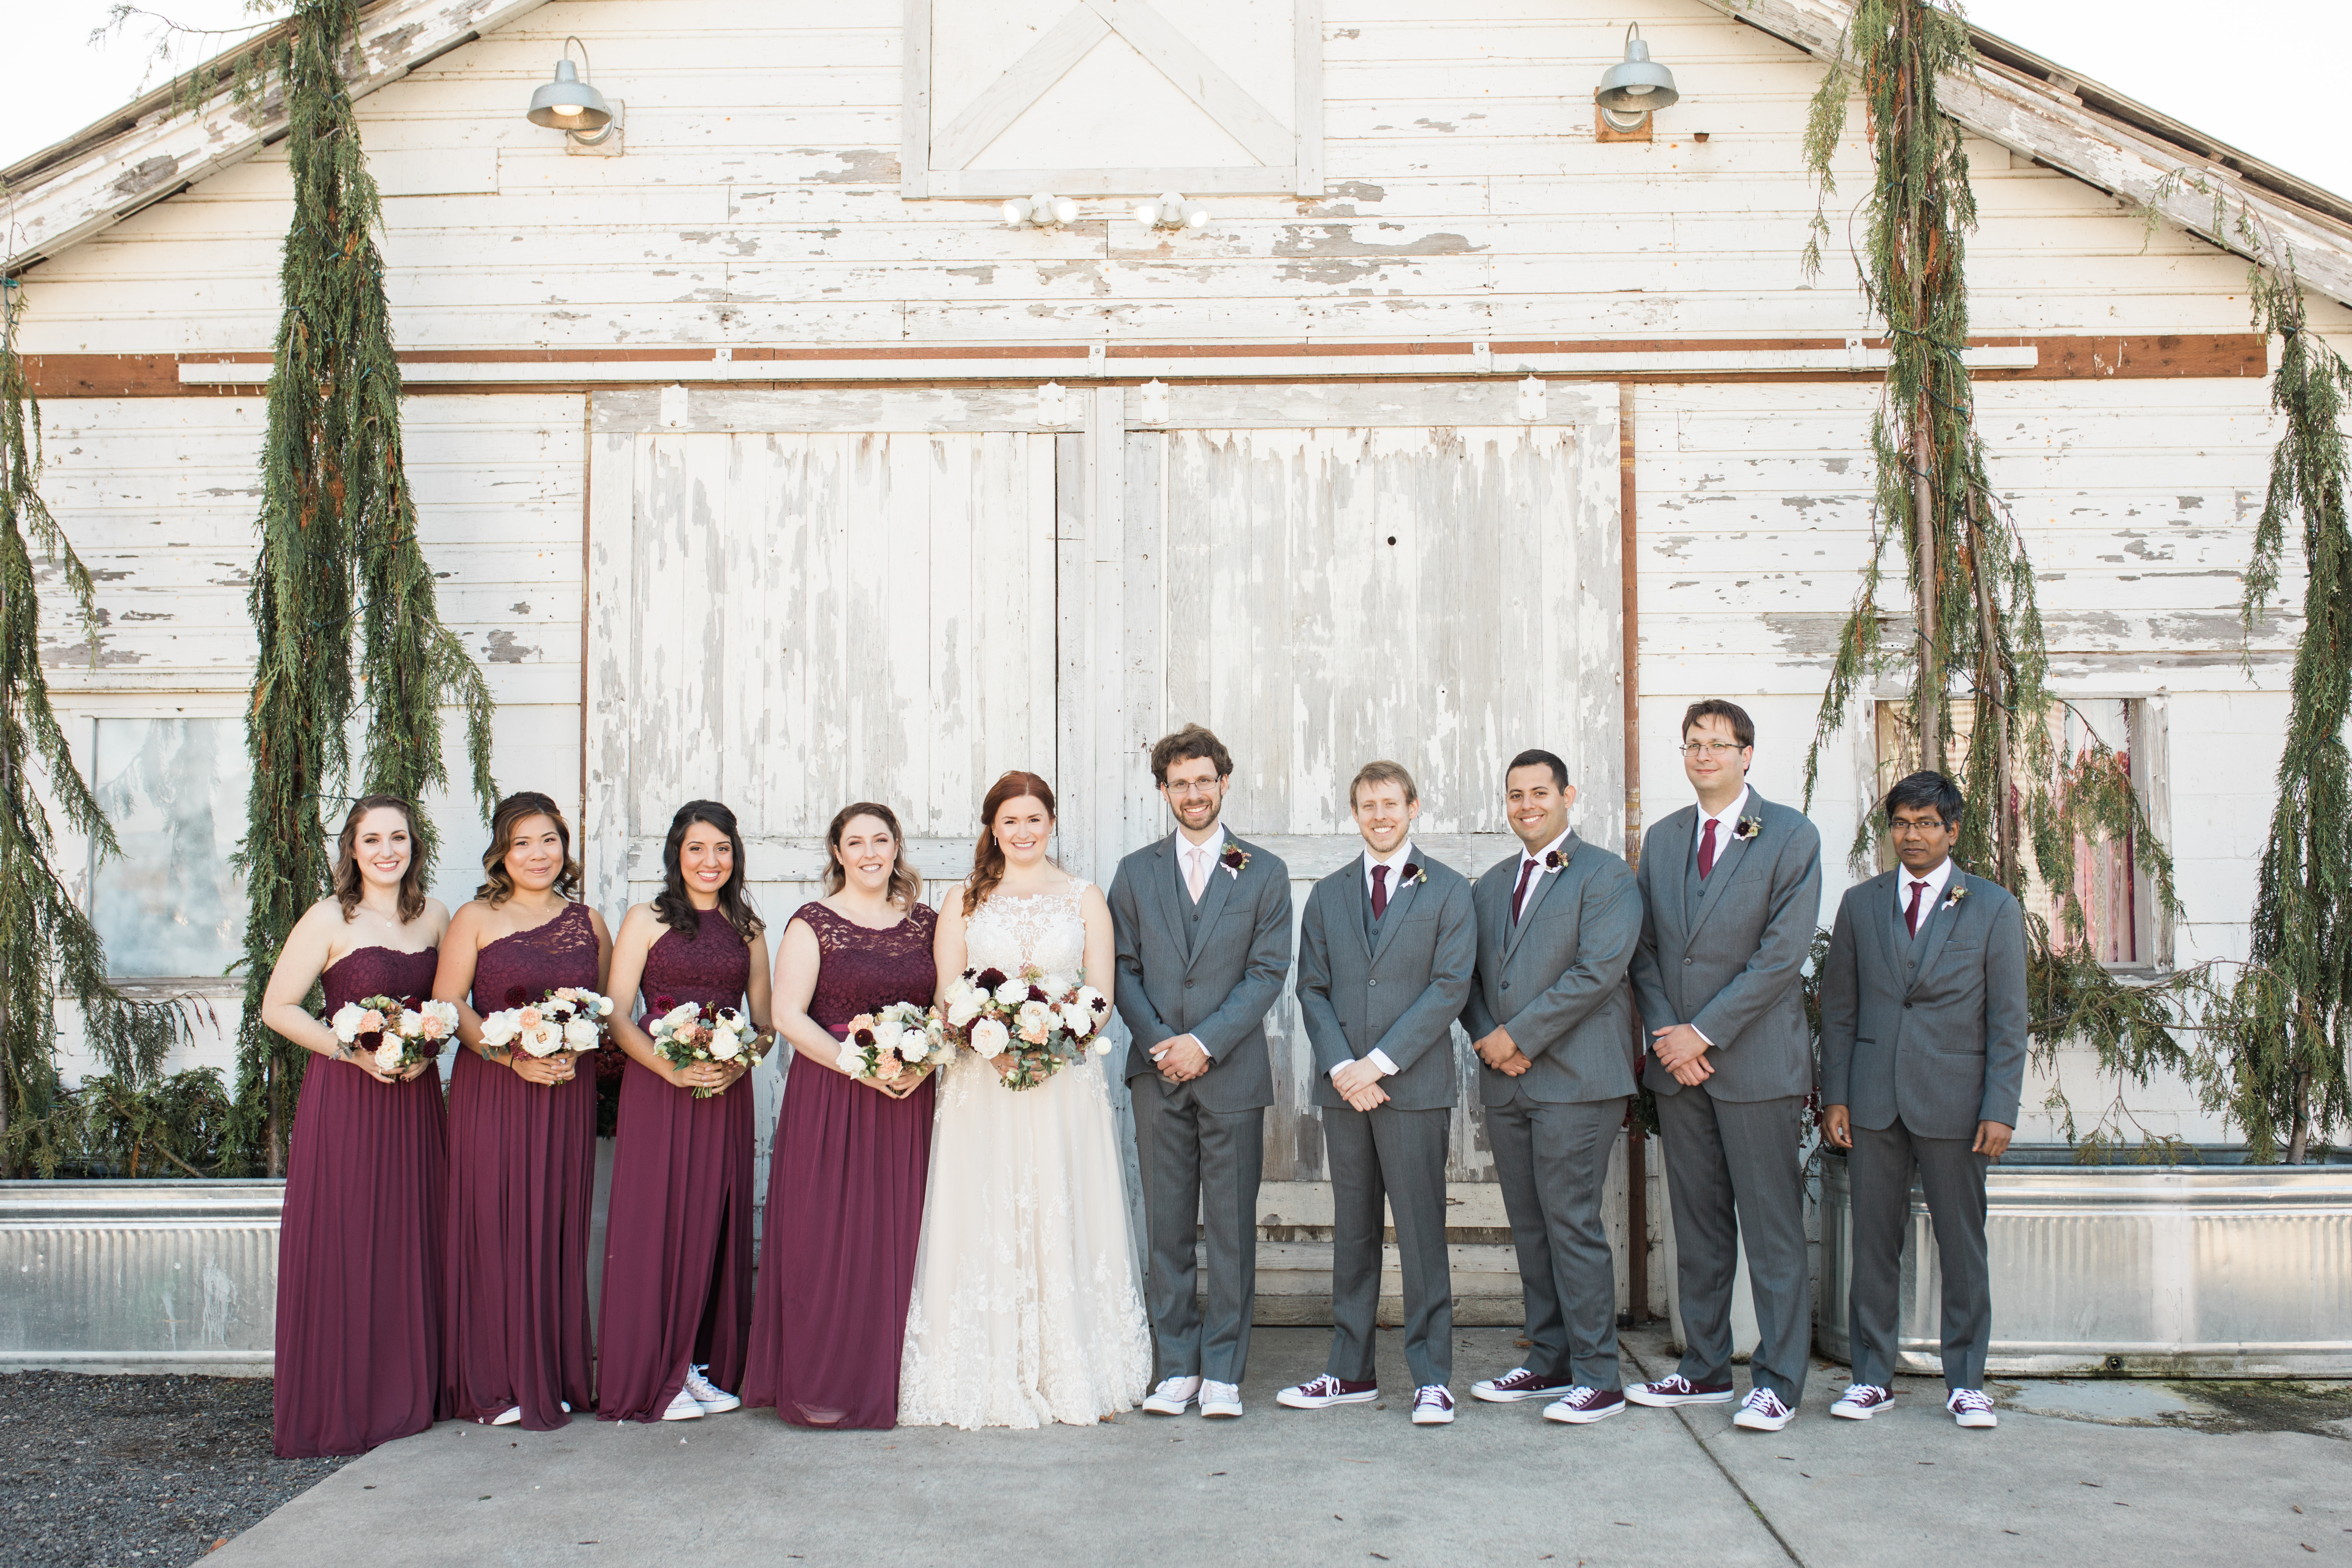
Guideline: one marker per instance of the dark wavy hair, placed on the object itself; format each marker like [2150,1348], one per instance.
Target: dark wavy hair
[348,885]
[988,860]
[906,885]
[497,886]
[673,906]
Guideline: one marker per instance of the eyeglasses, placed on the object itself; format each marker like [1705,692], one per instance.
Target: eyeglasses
[1711,749]
[1900,828]
[1201,786]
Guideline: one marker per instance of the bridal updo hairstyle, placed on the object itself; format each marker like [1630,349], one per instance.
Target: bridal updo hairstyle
[988,861]
[347,861]
[497,887]
[673,906]
[906,887]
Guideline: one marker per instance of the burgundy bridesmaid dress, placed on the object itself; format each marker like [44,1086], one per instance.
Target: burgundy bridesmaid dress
[359,1245]
[844,1198]
[522,1178]
[677,1247]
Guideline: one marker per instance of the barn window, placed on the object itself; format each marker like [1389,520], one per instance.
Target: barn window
[2095,743]
[170,905]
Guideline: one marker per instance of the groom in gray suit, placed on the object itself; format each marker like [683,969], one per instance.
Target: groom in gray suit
[1386,950]
[1551,1021]
[1923,1060]
[1731,889]
[1202,926]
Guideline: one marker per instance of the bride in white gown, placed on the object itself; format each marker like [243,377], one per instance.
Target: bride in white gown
[1026,1305]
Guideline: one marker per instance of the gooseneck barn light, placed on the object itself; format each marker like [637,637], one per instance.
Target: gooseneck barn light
[1632,88]
[571,105]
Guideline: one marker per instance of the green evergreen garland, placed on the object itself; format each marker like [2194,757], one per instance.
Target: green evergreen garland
[339,566]
[1970,582]
[46,941]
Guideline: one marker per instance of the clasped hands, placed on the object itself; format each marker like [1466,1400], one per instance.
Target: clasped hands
[1358,1083]
[1181,1058]
[1502,1053]
[1681,1050]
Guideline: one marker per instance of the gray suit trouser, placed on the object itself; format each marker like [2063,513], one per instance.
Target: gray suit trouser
[1552,1162]
[1200,1169]
[1732,1171]
[1399,1155]
[1878,1169]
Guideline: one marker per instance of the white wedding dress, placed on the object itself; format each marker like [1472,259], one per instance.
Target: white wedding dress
[1027,1307]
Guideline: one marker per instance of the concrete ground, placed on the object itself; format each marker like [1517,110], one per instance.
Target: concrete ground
[2078,1473]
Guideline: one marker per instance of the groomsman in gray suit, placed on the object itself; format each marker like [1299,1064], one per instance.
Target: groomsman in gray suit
[1923,1058]
[1203,925]
[1731,889]
[1386,950]
[1553,1028]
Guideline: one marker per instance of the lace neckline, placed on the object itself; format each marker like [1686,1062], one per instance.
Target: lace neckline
[382,947]
[562,915]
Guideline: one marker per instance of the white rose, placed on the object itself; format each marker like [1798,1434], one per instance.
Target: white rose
[543,1041]
[685,1012]
[887,1032]
[725,1045]
[964,1009]
[1033,1014]
[387,1055]
[580,1034]
[498,1029]
[989,1037]
[446,1012]
[347,1022]
[411,1025]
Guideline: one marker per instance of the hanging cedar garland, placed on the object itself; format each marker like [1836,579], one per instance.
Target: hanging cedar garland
[1971,596]
[340,567]
[48,945]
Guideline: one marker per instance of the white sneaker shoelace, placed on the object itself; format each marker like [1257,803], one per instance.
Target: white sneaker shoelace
[1324,1388]
[1764,1401]
[1967,1399]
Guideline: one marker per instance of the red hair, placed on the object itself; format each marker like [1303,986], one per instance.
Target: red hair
[988,860]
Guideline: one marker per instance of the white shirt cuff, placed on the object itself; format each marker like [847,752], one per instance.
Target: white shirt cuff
[1380,1060]
[1702,1034]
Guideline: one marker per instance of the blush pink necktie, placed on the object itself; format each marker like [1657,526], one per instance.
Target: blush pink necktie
[1196,874]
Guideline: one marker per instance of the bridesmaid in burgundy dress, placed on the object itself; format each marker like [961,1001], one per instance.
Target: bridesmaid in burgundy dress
[676,1310]
[522,1134]
[845,1179]
[359,1247]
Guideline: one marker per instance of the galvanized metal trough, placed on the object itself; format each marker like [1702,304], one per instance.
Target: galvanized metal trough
[2219,1270]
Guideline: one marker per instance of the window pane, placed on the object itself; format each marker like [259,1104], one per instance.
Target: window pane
[174,789]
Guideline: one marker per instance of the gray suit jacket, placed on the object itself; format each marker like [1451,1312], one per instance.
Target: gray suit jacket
[1944,1050]
[1558,977]
[1210,970]
[1733,970]
[1401,998]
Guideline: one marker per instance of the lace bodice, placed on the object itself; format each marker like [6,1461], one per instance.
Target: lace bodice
[860,969]
[713,965]
[380,972]
[526,964]
[1048,929]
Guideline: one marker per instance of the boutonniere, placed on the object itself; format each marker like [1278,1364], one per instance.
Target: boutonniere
[1234,859]
[1749,827]
[1555,860]
[1413,875]
[1952,899]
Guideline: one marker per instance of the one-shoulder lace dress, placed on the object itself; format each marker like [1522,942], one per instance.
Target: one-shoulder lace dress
[1027,1307]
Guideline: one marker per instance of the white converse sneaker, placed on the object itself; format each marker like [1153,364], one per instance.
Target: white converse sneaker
[506,1417]
[1861,1401]
[1172,1397]
[1969,1407]
[1433,1405]
[1221,1399]
[1762,1411]
[708,1394]
[683,1408]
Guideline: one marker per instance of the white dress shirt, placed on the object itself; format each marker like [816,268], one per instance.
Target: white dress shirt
[1936,881]
[1726,824]
[1535,857]
[1199,861]
[1396,863]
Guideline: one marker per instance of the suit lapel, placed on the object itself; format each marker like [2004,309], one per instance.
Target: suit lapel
[1536,896]
[1880,890]
[1940,921]
[1729,863]
[1395,916]
[1169,889]
[1214,894]
[1363,905]
[1674,835]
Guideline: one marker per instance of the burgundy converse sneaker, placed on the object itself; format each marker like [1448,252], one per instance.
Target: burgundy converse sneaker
[1326,1390]
[1518,1383]
[1763,1412]
[1669,1391]
[1861,1401]
[1969,1407]
[1581,1407]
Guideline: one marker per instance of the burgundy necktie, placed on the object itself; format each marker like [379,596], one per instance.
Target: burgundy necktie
[1706,848]
[1527,875]
[1379,891]
[1911,915]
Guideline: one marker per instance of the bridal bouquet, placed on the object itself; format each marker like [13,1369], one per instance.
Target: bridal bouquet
[1044,1021]
[395,1033]
[900,1036]
[685,1033]
[567,1018]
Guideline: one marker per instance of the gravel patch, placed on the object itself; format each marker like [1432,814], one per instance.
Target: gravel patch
[140,1469]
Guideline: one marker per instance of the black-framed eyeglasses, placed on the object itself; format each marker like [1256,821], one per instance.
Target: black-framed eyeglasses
[1711,748]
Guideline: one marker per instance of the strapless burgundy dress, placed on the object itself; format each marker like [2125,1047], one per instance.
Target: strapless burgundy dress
[522,1179]
[845,1197]
[677,1239]
[359,1243]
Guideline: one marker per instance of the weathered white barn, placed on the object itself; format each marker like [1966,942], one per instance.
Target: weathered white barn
[735,447]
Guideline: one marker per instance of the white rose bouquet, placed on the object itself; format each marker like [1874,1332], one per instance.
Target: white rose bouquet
[567,1018]
[1046,1021]
[686,1033]
[396,1034]
[881,1045]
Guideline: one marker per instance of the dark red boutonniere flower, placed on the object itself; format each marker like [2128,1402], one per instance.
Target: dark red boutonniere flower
[1234,859]
[1413,875]
[1749,827]
[1554,860]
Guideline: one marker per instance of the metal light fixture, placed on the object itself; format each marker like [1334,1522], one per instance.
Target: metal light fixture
[569,105]
[1172,211]
[1635,86]
[1041,211]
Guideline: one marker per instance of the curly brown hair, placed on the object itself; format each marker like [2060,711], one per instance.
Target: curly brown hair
[988,860]
[348,886]
[498,884]
[1191,743]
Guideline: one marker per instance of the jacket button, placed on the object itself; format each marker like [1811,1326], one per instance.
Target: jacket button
[1374,983]
[1687,963]
[1188,986]
[1906,1004]
[1506,985]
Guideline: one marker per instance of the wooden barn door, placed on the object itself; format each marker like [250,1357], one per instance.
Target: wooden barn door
[1325,578]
